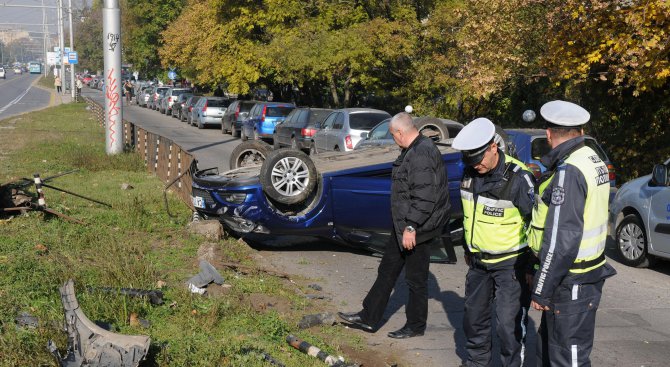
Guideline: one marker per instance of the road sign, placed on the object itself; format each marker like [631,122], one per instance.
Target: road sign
[172,75]
[72,57]
[66,49]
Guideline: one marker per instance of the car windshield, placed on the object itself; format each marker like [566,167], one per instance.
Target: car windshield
[318,116]
[365,120]
[176,92]
[380,131]
[218,103]
[278,111]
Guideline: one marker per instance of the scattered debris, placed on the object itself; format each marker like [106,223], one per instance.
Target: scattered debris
[315,286]
[127,186]
[317,319]
[195,289]
[208,274]
[91,345]
[313,351]
[266,356]
[317,296]
[135,321]
[26,320]
[210,229]
[160,284]
[155,296]
[41,248]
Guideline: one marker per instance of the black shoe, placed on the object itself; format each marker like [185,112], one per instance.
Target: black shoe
[355,318]
[404,333]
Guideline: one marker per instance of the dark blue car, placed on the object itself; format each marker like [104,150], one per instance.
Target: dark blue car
[340,196]
[262,119]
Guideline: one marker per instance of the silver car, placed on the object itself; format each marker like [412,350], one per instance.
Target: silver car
[209,111]
[639,218]
[171,96]
[344,128]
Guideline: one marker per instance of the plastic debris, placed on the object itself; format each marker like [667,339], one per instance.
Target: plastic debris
[208,274]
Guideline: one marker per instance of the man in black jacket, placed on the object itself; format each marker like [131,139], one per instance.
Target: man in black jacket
[420,209]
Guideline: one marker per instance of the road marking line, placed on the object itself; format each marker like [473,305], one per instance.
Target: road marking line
[16,100]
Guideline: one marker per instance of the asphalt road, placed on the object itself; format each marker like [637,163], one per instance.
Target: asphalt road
[18,95]
[633,323]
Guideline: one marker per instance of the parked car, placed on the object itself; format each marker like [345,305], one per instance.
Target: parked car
[3,73]
[435,128]
[208,111]
[188,109]
[234,115]
[345,200]
[157,95]
[142,98]
[344,128]
[299,127]
[179,104]
[639,218]
[529,145]
[171,96]
[263,116]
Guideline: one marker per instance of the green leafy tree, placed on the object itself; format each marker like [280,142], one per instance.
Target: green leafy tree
[88,37]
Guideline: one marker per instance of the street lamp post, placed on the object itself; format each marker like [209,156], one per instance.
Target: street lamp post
[111,42]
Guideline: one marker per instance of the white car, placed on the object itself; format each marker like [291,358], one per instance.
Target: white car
[18,71]
[3,73]
[639,218]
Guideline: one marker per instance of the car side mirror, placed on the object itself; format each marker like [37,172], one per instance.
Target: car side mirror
[659,176]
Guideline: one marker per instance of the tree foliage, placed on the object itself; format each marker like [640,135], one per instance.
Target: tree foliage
[88,37]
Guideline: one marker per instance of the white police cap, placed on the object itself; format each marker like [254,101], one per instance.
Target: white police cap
[473,140]
[474,135]
[564,113]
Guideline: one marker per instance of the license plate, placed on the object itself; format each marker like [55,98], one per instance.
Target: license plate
[198,202]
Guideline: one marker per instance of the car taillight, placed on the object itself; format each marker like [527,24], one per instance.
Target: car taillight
[537,172]
[263,116]
[169,99]
[190,108]
[237,112]
[348,143]
[307,132]
[612,170]
[204,107]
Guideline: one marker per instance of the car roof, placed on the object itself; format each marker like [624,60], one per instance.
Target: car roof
[360,109]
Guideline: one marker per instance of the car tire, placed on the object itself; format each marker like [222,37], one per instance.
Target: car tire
[632,243]
[288,176]
[432,128]
[249,153]
[501,138]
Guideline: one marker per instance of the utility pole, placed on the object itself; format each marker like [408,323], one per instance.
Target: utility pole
[111,32]
[61,44]
[44,38]
[72,86]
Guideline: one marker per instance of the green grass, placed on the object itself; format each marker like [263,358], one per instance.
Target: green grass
[47,81]
[134,244]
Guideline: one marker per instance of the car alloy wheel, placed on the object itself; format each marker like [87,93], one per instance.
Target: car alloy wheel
[631,242]
[288,176]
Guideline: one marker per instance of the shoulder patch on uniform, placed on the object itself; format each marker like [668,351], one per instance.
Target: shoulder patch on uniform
[557,195]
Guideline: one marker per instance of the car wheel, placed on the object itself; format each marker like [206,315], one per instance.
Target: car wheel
[312,149]
[432,128]
[501,139]
[249,153]
[288,176]
[631,242]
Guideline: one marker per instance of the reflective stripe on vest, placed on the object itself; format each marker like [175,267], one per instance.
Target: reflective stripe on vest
[494,226]
[594,235]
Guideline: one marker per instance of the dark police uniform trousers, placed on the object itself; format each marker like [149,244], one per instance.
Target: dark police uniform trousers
[416,263]
[505,283]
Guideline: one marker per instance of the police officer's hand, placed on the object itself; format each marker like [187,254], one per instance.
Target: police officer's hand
[408,240]
[538,306]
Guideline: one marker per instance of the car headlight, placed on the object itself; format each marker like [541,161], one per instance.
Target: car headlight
[236,198]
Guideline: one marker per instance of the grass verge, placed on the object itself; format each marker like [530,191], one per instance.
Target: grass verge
[132,245]
[47,81]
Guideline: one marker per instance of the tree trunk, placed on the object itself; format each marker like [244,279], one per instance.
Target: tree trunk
[333,91]
[347,90]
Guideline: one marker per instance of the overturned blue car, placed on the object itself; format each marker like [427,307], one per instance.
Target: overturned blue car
[339,196]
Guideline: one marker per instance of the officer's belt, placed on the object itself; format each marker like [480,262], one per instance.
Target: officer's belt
[588,263]
[487,256]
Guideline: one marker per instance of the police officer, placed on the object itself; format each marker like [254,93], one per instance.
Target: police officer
[497,194]
[568,231]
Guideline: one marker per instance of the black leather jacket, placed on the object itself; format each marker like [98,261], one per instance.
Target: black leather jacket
[420,191]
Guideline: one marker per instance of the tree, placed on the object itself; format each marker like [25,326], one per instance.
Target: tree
[88,37]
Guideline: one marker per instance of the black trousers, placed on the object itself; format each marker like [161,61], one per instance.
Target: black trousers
[416,263]
[565,337]
[508,287]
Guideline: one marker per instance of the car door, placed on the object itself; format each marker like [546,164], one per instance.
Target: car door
[322,136]
[283,129]
[362,208]
[659,217]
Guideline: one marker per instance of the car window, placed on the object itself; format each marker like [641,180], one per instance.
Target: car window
[328,124]
[246,106]
[593,144]
[292,117]
[217,103]
[317,116]
[278,111]
[339,121]
[539,147]
[365,120]
[381,131]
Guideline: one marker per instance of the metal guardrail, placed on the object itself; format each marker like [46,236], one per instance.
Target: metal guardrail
[162,156]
